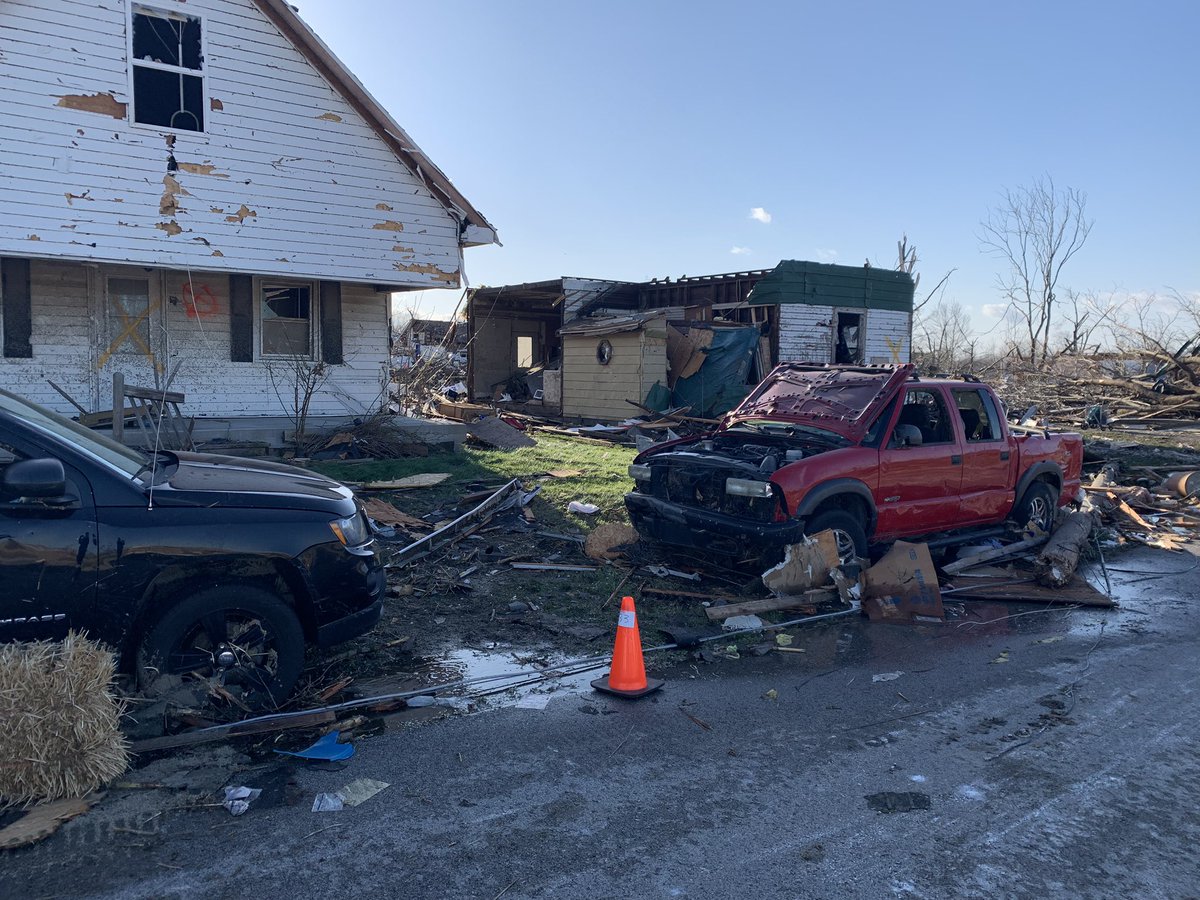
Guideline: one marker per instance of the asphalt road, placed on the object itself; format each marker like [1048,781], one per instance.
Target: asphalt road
[1048,754]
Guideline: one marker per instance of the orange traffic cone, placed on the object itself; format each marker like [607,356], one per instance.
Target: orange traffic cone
[627,677]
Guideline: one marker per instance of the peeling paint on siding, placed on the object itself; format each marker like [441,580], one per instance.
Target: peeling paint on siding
[400,248]
[73,197]
[383,206]
[172,228]
[172,190]
[389,225]
[330,117]
[202,169]
[104,104]
[215,104]
[244,212]
[427,269]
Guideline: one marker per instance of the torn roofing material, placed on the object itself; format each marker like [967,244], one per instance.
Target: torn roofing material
[476,228]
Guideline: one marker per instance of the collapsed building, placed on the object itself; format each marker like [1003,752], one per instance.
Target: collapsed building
[594,349]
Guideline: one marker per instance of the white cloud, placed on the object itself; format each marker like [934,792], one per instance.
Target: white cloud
[826,255]
[994,310]
[759,214]
[739,251]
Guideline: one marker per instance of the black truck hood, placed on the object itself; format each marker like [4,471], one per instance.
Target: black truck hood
[205,479]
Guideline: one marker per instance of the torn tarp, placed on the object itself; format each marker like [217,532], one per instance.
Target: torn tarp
[718,383]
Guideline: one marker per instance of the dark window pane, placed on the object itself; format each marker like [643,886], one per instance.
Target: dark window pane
[286,337]
[173,42]
[287,302]
[168,99]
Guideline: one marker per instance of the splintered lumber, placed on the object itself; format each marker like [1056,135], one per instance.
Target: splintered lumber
[1128,511]
[990,555]
[1058,559]
[770,604]
[1077,593]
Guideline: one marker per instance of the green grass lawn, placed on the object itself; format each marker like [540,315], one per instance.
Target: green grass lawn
[604,481]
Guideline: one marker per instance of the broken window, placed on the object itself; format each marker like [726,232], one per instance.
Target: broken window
[848,349]
[287,320]
[168,69]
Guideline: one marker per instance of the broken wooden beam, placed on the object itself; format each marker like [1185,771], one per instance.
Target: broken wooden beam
[989,555]
[770,604]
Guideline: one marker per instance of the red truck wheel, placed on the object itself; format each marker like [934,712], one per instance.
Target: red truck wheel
[1037,506]
[847,531]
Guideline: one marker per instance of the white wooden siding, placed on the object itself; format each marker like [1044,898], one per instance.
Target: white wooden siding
[806,334]
[286,180]
[66,306]
[888,330]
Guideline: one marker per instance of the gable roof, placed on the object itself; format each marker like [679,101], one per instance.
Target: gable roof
[476,228]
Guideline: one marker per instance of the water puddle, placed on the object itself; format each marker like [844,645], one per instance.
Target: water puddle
[472,679]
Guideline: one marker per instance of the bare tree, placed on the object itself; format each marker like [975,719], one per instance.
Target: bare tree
[906,261]
[943,340]
[1034,232]
[1086,314]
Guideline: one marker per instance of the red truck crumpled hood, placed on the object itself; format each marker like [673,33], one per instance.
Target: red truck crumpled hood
[841,399]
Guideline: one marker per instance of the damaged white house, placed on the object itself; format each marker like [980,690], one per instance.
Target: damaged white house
[589,349]
[200,189]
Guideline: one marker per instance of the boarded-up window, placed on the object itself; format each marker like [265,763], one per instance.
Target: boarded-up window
[287,320]
[168,69]
[127,318]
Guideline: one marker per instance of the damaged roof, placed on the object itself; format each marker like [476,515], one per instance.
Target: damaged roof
[610,324]
[825,284]
[476,229]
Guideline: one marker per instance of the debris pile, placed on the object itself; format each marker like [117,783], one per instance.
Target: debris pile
[1147,391]
[369,438]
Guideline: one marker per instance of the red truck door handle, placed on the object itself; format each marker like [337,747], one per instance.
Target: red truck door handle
[955,460]
[1003,455]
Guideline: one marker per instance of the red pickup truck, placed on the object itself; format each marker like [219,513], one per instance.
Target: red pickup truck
[874,453]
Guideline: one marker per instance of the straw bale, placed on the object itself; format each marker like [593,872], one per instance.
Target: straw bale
[61,733]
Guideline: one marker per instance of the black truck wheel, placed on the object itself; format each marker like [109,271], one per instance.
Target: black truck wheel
[847,530]
[1036,506]
[247,639]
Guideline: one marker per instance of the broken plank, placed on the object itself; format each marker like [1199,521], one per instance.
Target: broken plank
[422,480]
[1129,511]
[552,567]
[460,527]
[1000,553]
[770,604]
[235,729]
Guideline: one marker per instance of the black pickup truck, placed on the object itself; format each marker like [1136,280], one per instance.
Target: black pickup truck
[186,564]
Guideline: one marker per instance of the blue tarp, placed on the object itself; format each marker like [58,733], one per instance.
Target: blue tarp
[720,384]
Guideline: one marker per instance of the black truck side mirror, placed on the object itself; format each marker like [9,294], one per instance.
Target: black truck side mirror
[43,478]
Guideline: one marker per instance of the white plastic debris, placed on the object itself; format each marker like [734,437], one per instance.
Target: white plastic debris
[361,790]
[238,799]
[885,676]
[327,802]
[740,623]
[584,509]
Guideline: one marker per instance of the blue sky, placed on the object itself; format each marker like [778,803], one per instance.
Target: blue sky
[631,140]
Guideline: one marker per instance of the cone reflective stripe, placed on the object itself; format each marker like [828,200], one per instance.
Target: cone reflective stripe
[627,677]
